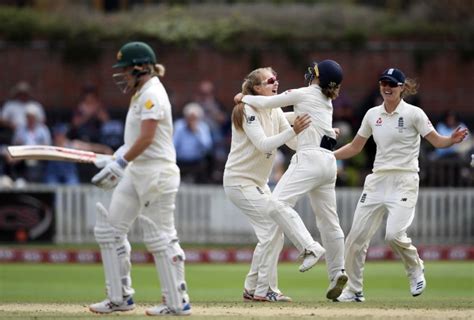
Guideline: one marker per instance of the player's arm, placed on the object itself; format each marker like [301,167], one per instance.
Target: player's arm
[284,99]
[254,131]
[147,134]
[351,149]
[439,141]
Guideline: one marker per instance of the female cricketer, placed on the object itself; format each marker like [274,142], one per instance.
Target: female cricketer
[392,188]
[145,188]
[256,134]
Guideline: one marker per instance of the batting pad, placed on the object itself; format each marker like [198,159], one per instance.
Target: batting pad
[105,236]
[169,263]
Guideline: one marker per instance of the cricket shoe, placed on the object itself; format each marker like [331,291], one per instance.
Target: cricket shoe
[350,296]
[418,284]
[272,296]
[336,285]
[108,306]
[247,295]
[164,310]
[310,257]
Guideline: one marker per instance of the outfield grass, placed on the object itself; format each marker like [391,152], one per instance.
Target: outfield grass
[450,284]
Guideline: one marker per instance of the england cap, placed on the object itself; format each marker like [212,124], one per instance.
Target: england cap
[394,75]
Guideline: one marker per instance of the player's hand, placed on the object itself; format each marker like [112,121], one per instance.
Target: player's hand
[301,123]
[110,175]
[238,97]
[459,134]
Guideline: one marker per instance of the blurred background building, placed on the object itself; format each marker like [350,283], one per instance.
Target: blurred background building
[63,51]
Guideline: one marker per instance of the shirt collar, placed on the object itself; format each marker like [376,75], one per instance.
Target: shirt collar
[398,109]
[147,84]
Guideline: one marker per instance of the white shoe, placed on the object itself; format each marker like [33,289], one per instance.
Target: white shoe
[350,296]
[107,306]
[272,296]
[418,284]
[164,310]
[311,256]
[336,285]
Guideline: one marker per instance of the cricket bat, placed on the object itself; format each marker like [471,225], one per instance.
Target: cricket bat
[45,152]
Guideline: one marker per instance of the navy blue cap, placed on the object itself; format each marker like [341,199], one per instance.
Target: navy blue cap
[394,75]
[330,73]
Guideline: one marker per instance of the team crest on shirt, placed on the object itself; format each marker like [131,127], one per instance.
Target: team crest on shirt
[149,104]
[250,119]
[401,125]
[378,123]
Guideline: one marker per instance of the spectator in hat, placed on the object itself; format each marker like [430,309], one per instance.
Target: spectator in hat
[14,110]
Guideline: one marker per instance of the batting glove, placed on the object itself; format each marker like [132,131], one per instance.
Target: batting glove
[110,175]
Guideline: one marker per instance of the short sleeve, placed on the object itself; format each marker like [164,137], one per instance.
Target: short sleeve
[422,124]
[365,129]
[151,108]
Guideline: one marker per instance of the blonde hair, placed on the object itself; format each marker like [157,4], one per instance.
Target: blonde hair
[410,88]
[154,69]
[254,78]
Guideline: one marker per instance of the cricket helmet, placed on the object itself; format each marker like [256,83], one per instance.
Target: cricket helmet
[329,73]
[135,53]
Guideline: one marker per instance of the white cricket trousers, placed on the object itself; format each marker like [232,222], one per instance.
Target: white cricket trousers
[392,192]
[313,172]
[253,201]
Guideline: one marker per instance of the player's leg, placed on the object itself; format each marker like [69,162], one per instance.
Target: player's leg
[110,232]
[398,221]
[295,182]
[253,202]
[366,221]
[160,238]
[323,202]
[401,214]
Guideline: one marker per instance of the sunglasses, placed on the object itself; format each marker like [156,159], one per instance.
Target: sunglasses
[391,84]
[271,80]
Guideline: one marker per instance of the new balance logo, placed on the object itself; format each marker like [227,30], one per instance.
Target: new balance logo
[404,199]
[362,199]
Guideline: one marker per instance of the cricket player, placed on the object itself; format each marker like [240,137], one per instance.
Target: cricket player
[256,135]
[145,188]
[392,188]
[313,168]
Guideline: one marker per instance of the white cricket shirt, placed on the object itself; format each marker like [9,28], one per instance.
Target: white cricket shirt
[397,136]
[252,150]
[151,102]
[307,100]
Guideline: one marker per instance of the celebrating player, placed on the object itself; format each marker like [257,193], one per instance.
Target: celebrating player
[312,170]
[256,134]
[393,186]
[145,188]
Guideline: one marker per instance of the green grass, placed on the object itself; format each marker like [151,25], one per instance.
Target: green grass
[450,286]
[450,282]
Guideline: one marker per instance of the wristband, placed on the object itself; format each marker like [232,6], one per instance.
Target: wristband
[121,161]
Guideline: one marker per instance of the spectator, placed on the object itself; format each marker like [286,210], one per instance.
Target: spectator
[14,109]
[61,172]
[446,127]
[193,142]
[219,122]
[35,132]
[88,116]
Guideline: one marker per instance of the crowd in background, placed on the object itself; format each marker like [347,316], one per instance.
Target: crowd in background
[201,136]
